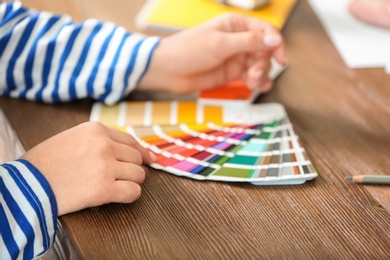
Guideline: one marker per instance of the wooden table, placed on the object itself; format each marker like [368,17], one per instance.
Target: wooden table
[343,119]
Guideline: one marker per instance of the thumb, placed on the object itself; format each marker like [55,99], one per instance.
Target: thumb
[251,41]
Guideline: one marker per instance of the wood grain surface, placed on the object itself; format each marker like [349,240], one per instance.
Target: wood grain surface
[342,117]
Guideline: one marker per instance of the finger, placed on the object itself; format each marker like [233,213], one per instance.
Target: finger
[279,55]
[279,52]
[127,139]
[266,86]
[242,33]
[258,72]
[260,25]
[129,172]
[373,12]
[128,154]
[233,69]
[125,192]
[250,41]
[254,77]
[233,22]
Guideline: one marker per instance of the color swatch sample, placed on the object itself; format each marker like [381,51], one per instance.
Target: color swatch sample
[235,92]
[256,144]
[146,113]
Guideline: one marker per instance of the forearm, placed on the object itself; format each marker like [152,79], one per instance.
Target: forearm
[48,58]
[28,211]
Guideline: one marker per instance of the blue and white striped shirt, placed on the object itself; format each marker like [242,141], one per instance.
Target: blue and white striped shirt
[48,58]
[28,211]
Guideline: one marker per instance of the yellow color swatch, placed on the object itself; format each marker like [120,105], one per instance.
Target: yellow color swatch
[135,113]
[109,115]
[212,114]
[175,15]
[161,112]
[186,112]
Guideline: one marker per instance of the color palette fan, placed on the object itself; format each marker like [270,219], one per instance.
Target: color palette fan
[254,144]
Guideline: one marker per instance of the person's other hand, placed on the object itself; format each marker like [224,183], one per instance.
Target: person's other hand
[90,165]
[375,12]
[229,47]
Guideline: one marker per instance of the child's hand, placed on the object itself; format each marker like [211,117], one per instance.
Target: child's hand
[227,48]
[91,165]
[375,12]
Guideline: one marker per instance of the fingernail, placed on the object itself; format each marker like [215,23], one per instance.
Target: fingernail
[251,85]
[152,156]
[257,73]
[285,60]
[267,86]
[272,40]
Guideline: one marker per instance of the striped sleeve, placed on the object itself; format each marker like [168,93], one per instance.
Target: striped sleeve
[28,211]
[49,58]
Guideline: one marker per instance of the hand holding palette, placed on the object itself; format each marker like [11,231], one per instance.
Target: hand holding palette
[237,92]
[253,144]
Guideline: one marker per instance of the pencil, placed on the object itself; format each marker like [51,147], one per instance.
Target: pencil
[370,179]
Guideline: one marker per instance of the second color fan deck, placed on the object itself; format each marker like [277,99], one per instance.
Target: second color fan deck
[254,144]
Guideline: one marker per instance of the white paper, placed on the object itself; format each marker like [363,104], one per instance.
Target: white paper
[360,45]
